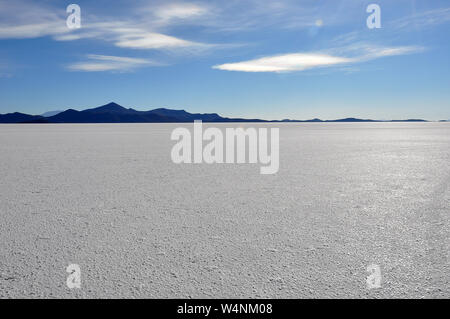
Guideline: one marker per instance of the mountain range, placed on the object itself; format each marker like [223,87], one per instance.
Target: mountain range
[114,113]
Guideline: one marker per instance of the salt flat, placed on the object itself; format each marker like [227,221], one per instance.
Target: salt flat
[108,198]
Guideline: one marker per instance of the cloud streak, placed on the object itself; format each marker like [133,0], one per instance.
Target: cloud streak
[284,63]
[423,20]
[304,61]
[139,39]
[101,63]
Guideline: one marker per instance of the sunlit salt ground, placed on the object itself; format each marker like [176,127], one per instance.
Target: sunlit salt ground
[109,198]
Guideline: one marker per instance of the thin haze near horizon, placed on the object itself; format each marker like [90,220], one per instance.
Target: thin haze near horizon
[271,59]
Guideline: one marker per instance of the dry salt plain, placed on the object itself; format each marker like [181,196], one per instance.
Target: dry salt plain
[109,198]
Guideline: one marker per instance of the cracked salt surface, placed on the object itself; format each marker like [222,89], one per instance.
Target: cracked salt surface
[108,198]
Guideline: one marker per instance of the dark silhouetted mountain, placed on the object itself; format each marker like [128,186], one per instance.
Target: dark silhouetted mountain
[112,107]
[18,118]
[351,119]
[185,116]
[409,120]
[117,116]
[115,113]
[315,120]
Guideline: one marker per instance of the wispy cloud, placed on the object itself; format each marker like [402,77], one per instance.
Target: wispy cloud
[131,36]
[393,30]
[423,20]
[24,19]
[33,30]
[219,16]
[137,27]
[380,52]
[304,61]
[100,63]
[176,12]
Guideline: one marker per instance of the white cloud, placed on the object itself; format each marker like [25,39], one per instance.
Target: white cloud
[99,63]
[303,61]
[143,40]
[178,11]
[23,19]
[284,63]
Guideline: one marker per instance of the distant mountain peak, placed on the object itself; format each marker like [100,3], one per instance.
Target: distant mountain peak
[110,107]
[113,104]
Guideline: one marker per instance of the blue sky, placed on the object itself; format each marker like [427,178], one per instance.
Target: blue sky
[247,58]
